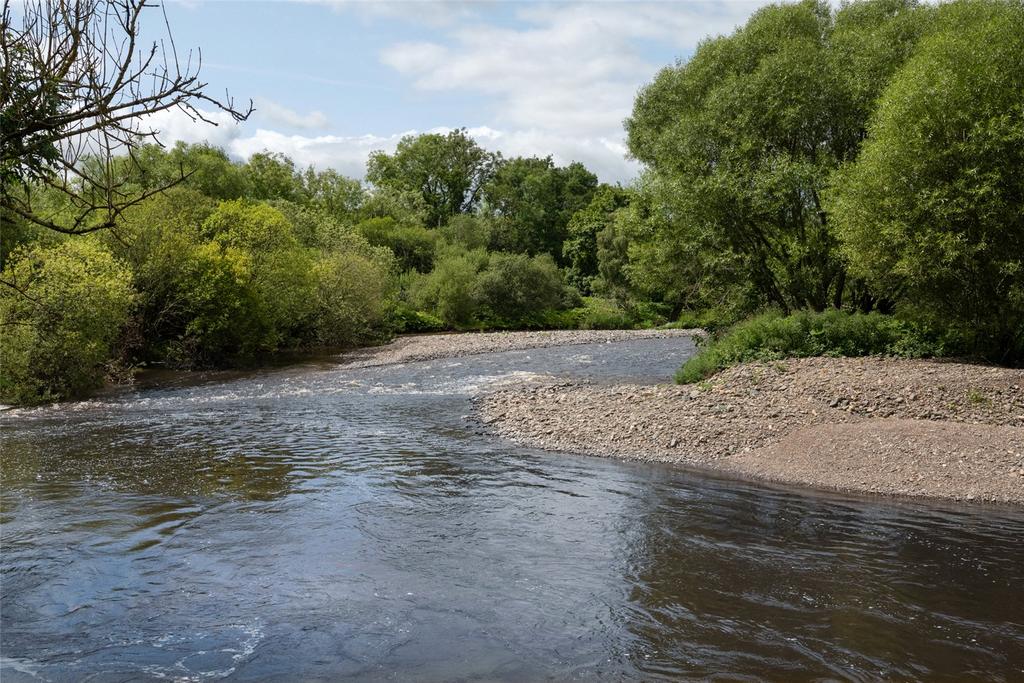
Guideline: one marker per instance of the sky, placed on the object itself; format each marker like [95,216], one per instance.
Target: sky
[334,80]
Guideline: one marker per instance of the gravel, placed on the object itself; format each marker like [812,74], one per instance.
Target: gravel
[877,425]
[435,346]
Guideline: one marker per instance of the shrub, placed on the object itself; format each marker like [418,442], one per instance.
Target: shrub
[407,320]
[215,307]
[352,300]
[448,291]
[516,285]
[603,314]
[772,336]
[413,245]
[469,232]
[60,312]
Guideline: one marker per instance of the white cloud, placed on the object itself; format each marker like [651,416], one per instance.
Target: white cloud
[348,154]
[572,68]
[560,79]
[174,125]
[435,13]
[280,114]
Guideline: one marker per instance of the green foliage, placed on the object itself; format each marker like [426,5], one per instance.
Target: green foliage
[447,171]
[449,290]
[412,245]
[407,320]
[515,285]
[335,195]
[748,131]
[603,314]
[223,284]
[774,336]
[579,250]
[31,104]
[61,308]
[931,210]
[531,202]
[219,311]
[644,255]
[468,232]
[406,207]
[474,288]
[352,300]
[273,176]
[201,167]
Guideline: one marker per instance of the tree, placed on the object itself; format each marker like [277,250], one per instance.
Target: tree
[753,125]
[272,175]
[516,285]
[204,168]
[579,251]
[448,171]
[75,87]
[532,201]
[932,211]
[337,195]
[60,312]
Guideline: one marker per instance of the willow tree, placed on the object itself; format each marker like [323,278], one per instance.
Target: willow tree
[748,131]
[933,208]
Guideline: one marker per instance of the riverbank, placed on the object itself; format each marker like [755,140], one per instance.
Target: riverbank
[875,425]
[425,347]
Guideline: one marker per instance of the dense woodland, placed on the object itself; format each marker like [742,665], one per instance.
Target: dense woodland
[853,178]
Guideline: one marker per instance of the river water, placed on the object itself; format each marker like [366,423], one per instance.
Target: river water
[321,522]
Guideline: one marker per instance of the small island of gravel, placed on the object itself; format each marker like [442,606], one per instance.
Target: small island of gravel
[872,425]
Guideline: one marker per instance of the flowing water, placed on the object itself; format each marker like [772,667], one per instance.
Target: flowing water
[323,522]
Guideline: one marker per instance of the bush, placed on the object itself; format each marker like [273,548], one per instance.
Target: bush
[352,300]
[448,291]
[603,314]
[406,319]
[413,245]
[930,211]
[62,310]
[772,336]
[516,285]
[215,309]
[468,232]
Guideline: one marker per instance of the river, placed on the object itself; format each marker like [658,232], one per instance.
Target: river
[319,522]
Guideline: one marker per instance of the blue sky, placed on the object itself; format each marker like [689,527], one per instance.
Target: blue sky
[334,80]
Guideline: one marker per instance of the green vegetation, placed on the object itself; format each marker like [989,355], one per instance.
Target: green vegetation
[773,336]
[65,307]
[857,172]
[239,260]
[867,158]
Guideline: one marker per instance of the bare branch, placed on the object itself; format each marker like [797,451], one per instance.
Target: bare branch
[76,89]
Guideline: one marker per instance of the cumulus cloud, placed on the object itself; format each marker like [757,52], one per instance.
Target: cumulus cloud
[567,68]
[559,79]
[282,115]
[348,154]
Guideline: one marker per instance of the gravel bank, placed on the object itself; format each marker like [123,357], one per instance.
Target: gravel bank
[886,426]
[434,346]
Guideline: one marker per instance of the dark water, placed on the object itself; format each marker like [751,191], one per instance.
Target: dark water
[318,523]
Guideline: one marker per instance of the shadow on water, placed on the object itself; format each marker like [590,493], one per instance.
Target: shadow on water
[320,522]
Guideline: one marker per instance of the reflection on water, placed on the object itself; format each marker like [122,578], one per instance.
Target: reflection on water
[320,522]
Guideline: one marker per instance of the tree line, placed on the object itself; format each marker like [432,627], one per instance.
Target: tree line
[865,159]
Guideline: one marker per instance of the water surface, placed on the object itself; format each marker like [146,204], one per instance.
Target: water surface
[320,522]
